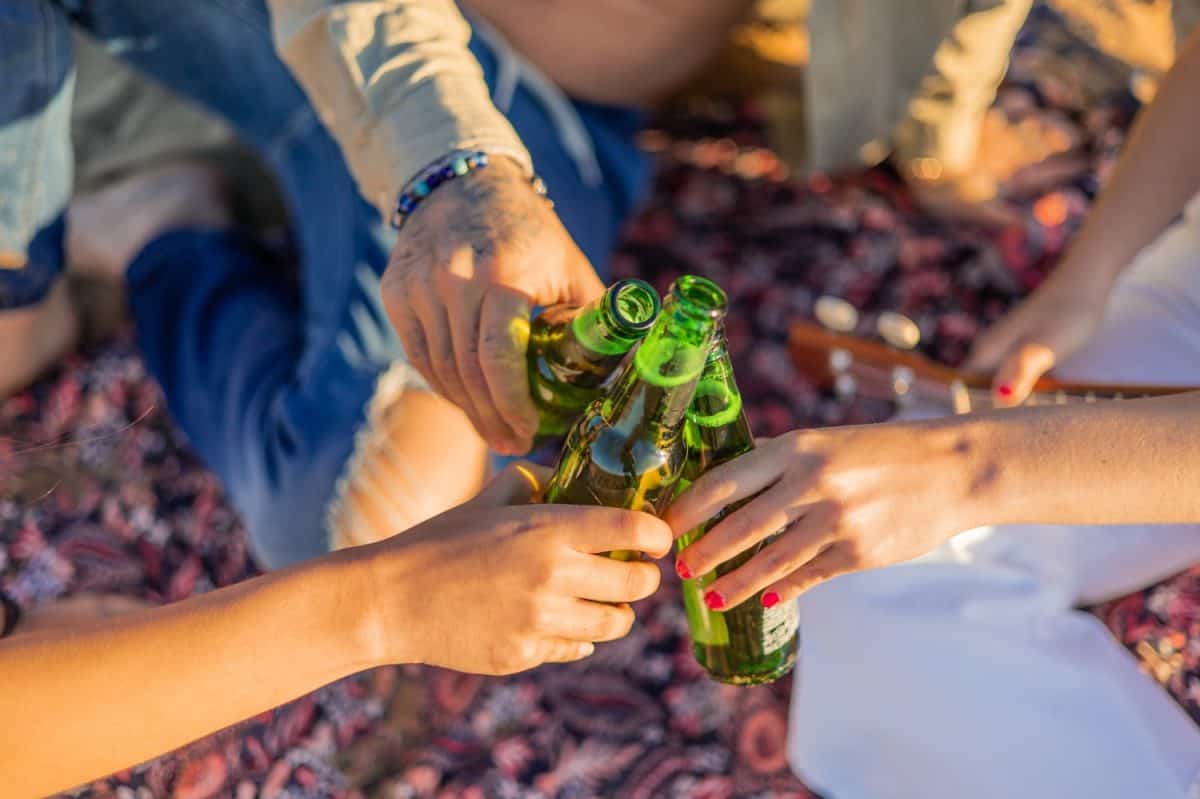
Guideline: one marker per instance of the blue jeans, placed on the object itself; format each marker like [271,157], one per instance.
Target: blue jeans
[270,382]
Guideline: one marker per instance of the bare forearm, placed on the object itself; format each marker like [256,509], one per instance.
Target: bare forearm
[1118,463]
[126,690]
[1158,173]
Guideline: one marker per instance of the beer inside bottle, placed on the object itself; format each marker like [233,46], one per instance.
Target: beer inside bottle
[747,644]
[627,450]
[573,351]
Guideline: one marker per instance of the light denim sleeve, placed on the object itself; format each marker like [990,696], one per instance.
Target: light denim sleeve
[36,63]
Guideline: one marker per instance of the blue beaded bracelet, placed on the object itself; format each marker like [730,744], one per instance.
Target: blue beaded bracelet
[444,171]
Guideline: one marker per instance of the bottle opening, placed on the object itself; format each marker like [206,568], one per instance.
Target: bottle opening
[700,296]
[634,304]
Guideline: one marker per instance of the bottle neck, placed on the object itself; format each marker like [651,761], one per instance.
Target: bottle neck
[612,323]
[640,401]
[717,427]
[660,380]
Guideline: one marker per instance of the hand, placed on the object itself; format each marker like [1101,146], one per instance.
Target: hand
[1043,331]
[851,498]
[973,199]
[470,263]
[490,588]
[1012,159]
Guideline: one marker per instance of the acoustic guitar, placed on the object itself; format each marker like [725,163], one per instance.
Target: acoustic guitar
[829,352]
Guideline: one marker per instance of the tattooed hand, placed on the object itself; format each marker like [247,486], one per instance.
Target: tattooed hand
[470,263]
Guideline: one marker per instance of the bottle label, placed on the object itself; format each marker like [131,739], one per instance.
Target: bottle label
[779,625]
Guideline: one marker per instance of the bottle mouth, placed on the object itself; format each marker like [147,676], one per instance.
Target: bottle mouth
[634,304]
[700,296]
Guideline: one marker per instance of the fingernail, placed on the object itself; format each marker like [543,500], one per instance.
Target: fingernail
[682,570]
[1005,390]
[714,599]
[770,599]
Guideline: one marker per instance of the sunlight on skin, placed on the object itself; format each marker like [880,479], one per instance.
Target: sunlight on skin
[404,476]
[518,331]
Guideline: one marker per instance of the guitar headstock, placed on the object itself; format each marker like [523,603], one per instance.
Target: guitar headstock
[833,352]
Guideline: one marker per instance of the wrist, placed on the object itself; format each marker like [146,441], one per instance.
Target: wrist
[966,470]
[990,455]
[453,178]
[353,623]
[392,612]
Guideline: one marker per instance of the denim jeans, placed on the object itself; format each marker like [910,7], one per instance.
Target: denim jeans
[269,382]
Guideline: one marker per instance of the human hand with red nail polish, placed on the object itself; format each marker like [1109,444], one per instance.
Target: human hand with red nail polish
[497,586]
[1051,325]
[846,499]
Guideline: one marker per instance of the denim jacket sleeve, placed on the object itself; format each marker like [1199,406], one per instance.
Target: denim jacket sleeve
[395,83]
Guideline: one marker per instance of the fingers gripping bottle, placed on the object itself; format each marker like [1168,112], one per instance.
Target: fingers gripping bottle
[748,644]
[573,351]
[627,450]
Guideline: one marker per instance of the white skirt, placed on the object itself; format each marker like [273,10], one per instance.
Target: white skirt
[969,674]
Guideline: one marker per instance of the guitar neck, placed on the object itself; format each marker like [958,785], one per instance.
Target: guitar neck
[853,365]
[1050,390]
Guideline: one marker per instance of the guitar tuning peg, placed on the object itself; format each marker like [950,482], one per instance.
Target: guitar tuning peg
[845,387]
[836,314]
[898,330]
[903,379]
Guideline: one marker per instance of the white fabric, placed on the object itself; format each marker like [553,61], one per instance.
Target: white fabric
[968,673]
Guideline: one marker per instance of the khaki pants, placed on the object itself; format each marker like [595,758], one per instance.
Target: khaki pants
[915,77]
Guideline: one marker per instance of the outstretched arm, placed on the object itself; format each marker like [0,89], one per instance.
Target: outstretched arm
[120,691]
[858,498]
[1158,172]
[491,587]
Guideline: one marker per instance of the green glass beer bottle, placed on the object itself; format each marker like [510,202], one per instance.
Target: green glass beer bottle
[572,351]
[747,644]
[627,450]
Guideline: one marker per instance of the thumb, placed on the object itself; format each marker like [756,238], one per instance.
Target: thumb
[564,651]
[583,284]
[1015,378]
[518,484]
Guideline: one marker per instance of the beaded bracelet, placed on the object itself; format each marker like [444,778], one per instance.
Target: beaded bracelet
[442,171]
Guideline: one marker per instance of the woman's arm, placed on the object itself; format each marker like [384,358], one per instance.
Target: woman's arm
[484,588]
[1129,462]
[1159,171]
[858,498]
[118,692]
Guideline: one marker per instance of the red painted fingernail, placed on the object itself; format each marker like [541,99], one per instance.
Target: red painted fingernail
[770,599]
[1005,390]
[714,600]
[682,570]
